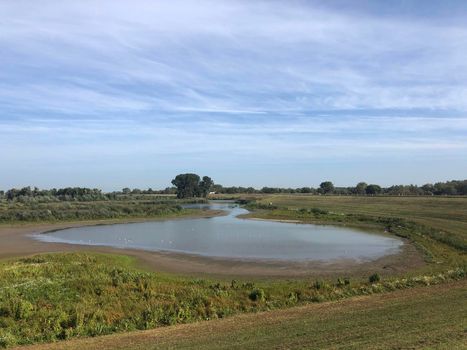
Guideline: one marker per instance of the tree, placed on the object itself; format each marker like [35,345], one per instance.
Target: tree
[361,188]
[428,189]
[326,187]
[373,189]
[187,185]
[206,185]
[462,187]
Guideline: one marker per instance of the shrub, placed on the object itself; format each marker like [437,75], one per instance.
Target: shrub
[318,211]
[374,278]
[257,295]
[294,297]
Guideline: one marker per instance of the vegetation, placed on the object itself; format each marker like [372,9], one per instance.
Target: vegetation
[45,298]
[52,297]
[418,218]
[449,188]
[95,210]
[415,318]
[82,194]
[326,187]
[190,185]
[25,194]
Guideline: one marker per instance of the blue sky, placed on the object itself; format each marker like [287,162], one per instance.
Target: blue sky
[265,93]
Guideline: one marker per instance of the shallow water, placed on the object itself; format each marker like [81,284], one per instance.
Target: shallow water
[231,237]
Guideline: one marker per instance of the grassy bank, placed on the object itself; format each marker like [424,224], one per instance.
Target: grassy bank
[445,214]
[18,212]
[436,226]
[53,297]
[414,318]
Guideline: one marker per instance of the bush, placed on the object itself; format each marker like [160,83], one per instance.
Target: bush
[374,278]
[318,211]
[257,295]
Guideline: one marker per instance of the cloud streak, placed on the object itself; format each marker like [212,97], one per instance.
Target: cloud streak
[262,81]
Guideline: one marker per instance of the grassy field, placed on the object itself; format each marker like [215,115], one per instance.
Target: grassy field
[47,298]
[418,318]
[447,214]
[436,225]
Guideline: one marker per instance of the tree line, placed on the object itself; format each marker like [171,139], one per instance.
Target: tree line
[61,194]
[192,185]
[449,188]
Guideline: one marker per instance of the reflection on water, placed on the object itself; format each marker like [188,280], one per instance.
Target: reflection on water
[230,237]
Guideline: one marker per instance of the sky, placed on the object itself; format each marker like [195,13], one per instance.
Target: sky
[115,93]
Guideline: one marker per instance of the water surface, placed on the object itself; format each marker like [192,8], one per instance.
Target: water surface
[231,237]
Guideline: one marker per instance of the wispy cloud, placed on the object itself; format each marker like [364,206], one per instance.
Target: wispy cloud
[270,80]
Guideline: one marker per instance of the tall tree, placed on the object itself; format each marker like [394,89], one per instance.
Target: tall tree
[205,185]
[361,188]
[326,187]
[187,185]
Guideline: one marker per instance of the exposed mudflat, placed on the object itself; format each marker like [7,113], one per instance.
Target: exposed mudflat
[15,241]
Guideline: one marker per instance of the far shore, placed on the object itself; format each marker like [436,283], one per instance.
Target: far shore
[275,220]
[16,242]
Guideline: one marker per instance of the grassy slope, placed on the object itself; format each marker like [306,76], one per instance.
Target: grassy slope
[425,317]
[53,297]
[443,213]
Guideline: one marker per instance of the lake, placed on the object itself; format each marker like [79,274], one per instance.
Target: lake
[232,237]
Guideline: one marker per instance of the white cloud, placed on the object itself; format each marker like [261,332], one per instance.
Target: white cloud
[232,55]
[268,80]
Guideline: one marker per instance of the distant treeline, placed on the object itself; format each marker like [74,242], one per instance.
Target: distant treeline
[26,194]
[82,194]
[451,188]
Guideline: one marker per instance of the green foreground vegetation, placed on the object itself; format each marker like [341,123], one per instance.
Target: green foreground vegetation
[416,318]
[51,297]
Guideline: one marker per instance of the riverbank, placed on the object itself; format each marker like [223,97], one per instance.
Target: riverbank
[16,242]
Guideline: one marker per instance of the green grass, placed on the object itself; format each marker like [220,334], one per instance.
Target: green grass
[53,297]
[437,226]
[447,214]
[17,212]
[408,323]
[418,318]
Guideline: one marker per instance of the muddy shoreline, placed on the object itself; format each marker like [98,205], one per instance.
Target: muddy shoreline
[15,241]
